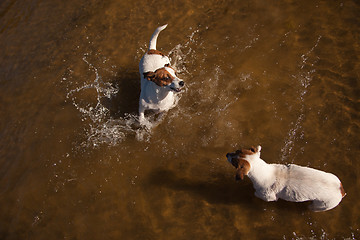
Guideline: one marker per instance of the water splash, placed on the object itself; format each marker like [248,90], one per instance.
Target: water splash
[100,127]
[181,52]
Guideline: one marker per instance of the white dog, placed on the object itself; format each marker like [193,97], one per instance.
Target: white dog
[159,83]
[289,182]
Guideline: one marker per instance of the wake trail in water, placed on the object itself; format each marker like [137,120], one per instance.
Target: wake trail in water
[304,78]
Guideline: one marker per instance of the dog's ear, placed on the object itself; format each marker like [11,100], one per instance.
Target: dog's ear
[149,75]
[239,176]
[242,170]
[258,148]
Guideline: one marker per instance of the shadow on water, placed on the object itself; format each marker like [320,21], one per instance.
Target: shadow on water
[215,192]
[221,191]
[126,100]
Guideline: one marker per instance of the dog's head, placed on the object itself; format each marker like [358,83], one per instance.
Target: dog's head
[165,77]
[241,160]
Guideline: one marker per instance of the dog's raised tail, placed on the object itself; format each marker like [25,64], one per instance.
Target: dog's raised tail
[154,37]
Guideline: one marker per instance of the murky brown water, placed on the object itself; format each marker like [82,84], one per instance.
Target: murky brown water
[73,164]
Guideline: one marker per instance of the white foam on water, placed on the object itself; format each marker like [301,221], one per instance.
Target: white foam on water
[323,236]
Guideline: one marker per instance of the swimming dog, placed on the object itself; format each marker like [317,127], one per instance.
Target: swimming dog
[289,182]
[159,81]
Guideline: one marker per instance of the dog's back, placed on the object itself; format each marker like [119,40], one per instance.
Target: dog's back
[303,184]
[151,62]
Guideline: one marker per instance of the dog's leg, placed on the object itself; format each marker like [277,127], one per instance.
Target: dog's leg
[142,119]
[268,197]
[161,117]
[318,206]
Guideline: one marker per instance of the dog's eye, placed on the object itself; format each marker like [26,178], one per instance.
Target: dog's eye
[252,149]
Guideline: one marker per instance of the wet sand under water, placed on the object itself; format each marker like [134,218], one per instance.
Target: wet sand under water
[75,165]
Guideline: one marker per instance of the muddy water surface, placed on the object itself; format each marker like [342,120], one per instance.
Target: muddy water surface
[75,165]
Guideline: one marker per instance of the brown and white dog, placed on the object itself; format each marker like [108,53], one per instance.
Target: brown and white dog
[159,82]
[289,182]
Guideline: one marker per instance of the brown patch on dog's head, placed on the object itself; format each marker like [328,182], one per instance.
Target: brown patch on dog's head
[154,51]
[161,77]
[242,166]
[237,159]
[242,169]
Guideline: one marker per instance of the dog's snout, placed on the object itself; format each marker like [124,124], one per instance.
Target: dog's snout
[181,83]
